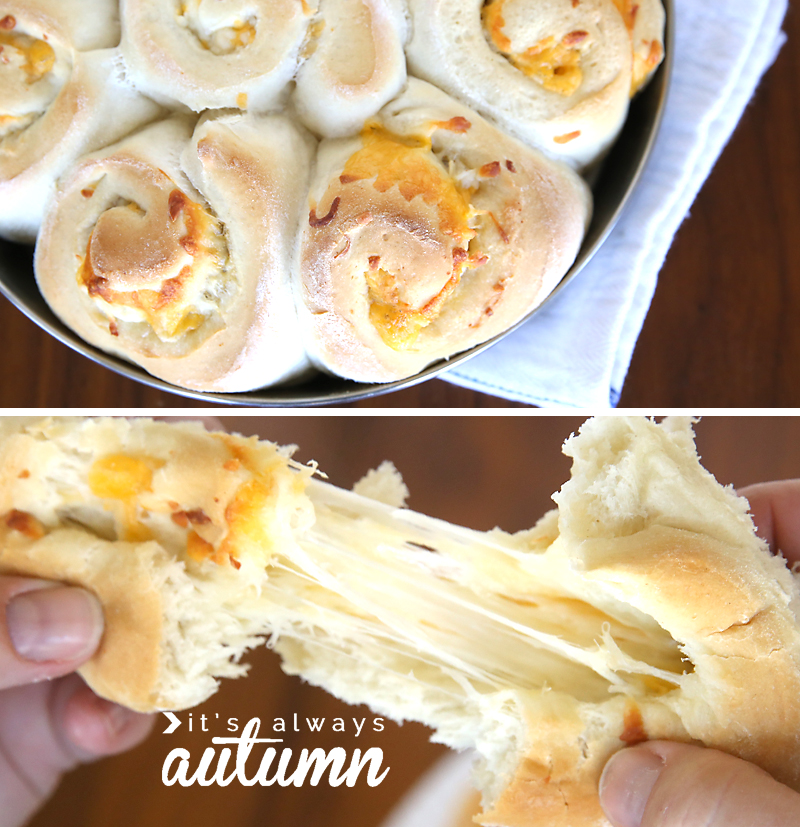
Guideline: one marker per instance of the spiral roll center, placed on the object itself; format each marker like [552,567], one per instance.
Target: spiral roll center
[429,222]
[26,62]
[153,264]
[552,61]
[221,26]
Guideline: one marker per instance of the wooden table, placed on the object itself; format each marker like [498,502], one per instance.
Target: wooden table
[476,471]
[722,330]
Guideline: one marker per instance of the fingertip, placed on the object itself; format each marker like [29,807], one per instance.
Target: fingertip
[97,727]
[57,624]
[626,783]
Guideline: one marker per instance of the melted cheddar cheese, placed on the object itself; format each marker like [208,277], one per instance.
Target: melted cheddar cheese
[123,478]
[408,163]
[36,58]
[245,518]
[169,308]
[553,63]
[220,41]
[120,477]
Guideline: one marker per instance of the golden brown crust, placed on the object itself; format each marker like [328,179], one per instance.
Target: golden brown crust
[730,615]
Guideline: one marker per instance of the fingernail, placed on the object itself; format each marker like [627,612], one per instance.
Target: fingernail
[61,623]
[626,784]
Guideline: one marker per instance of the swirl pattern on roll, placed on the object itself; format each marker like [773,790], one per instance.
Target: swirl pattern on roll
[172,249]
[555,73]
[213,54]
[355,64]
[644,20]
[427,234]
[62,94]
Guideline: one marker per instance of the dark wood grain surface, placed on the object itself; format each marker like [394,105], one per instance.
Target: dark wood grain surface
[722,329]
[476,471]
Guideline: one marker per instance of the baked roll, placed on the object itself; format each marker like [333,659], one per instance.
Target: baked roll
[644,20]
[62,94]
[555,73]
[172,248]
[644,607]
[355,65]
[213,54]
[427,234]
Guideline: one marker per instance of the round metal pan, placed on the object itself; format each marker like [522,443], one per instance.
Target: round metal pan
[612,189]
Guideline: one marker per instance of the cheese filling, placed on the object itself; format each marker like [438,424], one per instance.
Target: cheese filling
[553,62]
[159,267]
[219,30]
[32,56]
[647,54]
[30,77]
[409,163]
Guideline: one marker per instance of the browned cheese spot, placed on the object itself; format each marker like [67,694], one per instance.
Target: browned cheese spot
[25,523]
[326,219]
[177,201]
[457,124]
[633,731]
[574,38]
[189,244]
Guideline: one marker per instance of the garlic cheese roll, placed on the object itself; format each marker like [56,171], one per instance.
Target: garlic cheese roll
[62,94]
[213,54]
[645,22]
[555,73]
[355,64]
[172,250]
[430,232]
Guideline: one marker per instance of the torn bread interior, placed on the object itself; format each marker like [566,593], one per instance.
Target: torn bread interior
[643,607]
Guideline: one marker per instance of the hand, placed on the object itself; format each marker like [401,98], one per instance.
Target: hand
[47,726]
[661,784]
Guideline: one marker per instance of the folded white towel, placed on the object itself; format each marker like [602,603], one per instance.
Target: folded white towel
[576,351]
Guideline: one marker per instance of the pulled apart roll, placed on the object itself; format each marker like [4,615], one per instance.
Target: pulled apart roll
[62,94]
[427,234]
[355,64]
[171,249]
[645,607]
[169,526]
[213,54]
[556,73]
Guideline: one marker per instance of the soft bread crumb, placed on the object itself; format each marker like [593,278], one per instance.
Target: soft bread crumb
[384,484]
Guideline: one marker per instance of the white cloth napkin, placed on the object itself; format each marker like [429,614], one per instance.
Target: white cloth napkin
[576,351]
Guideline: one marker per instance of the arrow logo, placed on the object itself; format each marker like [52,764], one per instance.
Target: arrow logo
[174,723]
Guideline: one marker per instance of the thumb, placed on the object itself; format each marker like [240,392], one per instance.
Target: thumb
[662,784]
[46,629]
